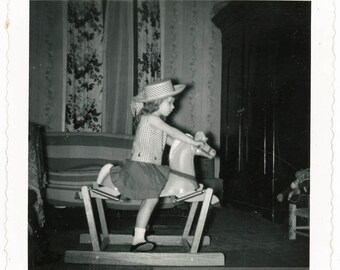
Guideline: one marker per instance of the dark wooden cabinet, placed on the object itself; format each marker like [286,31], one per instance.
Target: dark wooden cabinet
[265,115]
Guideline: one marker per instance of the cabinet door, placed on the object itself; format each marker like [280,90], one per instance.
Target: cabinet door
[265,108]
[250,123]
[231,103]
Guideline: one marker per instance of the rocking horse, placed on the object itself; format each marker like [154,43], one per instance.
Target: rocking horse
[181,186]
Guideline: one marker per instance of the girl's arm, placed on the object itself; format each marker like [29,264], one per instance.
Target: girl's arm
[174,133]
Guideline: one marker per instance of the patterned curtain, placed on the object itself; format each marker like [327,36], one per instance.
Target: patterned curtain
[84,66]
[149,42]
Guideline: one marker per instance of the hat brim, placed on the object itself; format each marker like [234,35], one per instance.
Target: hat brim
[178,89]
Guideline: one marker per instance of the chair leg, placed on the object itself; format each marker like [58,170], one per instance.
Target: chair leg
[292,222]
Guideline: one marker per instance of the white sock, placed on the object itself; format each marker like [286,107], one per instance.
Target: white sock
[139,236]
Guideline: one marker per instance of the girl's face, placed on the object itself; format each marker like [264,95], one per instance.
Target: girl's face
[166,107]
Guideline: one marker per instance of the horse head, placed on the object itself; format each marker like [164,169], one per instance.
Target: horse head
[182,177]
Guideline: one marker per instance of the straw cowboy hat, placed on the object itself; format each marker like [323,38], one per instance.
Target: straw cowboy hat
[158,90]
[154,91]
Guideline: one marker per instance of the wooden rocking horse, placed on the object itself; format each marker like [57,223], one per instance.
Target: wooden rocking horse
[181,186]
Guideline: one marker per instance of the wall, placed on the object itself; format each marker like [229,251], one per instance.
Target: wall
[192,55]
[47,63]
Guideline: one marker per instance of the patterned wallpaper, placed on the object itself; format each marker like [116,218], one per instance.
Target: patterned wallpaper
[192,55]
[47,69]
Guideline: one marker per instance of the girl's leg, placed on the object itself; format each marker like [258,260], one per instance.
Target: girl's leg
[104,175]
[145,211]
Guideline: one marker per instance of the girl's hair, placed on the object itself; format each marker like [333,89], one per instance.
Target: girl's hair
[148,108]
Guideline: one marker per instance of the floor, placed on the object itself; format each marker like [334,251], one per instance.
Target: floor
[245,238]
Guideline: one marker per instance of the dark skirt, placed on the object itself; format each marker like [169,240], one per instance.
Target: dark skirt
[140,180]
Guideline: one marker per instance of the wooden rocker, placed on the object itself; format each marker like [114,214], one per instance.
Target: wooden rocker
[181,186]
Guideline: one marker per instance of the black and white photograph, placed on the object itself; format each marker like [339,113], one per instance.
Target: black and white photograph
[170,134]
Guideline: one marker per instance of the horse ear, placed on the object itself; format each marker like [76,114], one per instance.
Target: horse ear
[199,136]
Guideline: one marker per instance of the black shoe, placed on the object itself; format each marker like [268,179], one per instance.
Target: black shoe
[143,247]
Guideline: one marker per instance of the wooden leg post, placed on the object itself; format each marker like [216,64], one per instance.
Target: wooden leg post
[202,220]
[188,225]
[102,220]
[90,218]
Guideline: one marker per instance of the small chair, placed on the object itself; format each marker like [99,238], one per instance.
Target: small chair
[299,208]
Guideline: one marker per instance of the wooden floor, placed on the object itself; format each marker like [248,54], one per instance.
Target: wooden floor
[245,238]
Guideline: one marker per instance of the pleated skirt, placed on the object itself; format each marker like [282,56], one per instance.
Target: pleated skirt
[140,180]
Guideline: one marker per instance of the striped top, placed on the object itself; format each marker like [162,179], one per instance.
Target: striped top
[149,143]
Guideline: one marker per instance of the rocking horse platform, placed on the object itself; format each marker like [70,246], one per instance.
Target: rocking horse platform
[100,242]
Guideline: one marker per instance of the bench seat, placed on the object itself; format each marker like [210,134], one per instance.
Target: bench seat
[74,160]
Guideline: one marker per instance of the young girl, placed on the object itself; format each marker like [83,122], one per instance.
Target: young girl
[143,177]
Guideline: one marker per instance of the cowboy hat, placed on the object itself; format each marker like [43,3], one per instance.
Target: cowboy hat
[158,90]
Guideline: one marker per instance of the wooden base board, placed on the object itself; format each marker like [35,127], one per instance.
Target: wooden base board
[160,240]
[139,258]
